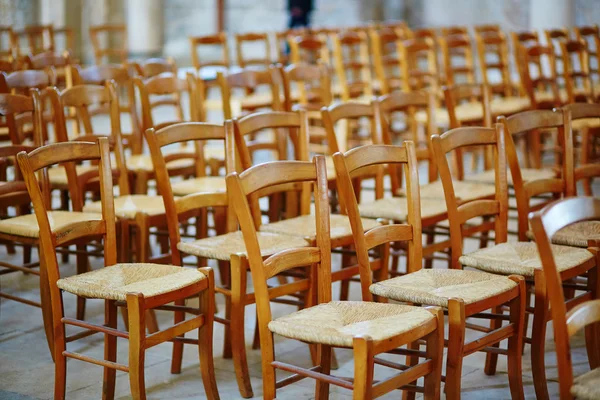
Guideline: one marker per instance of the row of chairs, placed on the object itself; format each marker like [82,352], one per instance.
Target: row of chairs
[209,248]
[463,293]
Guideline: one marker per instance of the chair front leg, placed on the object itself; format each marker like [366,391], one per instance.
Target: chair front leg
[538,336]
[515,342]
[238,339]
[110,350]
[205,337]
[137,342]
[364,364]
[456,342]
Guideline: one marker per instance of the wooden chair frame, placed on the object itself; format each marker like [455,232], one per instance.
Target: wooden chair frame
[574,73]
[453,46]
[137,304]
[494,43]
[218,39]
[354,71]
[121,52]
[385,59]
[243,61]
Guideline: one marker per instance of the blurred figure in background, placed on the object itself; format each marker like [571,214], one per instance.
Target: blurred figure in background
[299,13]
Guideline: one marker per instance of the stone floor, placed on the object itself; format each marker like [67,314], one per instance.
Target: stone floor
[27,372]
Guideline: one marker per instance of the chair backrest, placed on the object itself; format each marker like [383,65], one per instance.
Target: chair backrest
[50,59]
[591,35]
[352,65]
[492,51]
[453,30]
[409,103]
[281,42]
[487,28]
[38,39]
[155,66]
[538,75]
[109,41]
[181,208]
[260,55]
[588,168]
[8,43]
[165,90]
[529,123]
[218,41]
[576,71]
[459,212]
[101,226]
[312,83]
[385,58]
[416,54]
[520,42]
[14,105]
[385,156]
[24,80]
[457,55]
[242,188]
[554,37]
[309,48]
[348,113]
[64,36]
[249,80]
[545,224]
[285,126]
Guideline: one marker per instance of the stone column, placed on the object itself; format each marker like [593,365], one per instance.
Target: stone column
[546,14]
[145,28]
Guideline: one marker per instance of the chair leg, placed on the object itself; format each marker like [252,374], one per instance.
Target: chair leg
[515,342]
[411,361]
[538,336]
[363,368]
[205,338]
[345,283]
[177,354]
[429,240]
[110,351]
[491,359]
[137,340]
[322,388]
[456,342]
[83,266]
[46,301]
[60,361]
[143,244]
[592,331]
[435,352]
[238,340]
[268,372]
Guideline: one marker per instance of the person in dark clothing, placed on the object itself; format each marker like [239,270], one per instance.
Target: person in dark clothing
[300,13]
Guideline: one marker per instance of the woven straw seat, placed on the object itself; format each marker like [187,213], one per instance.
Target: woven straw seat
[579,124]
[256,100]
[221,247]
[522,258]
[113,283]
[541,96]
[396,208]
[436,286]
[58,175]
[587,386]
[304,226]
[509,105]
[576,235]
[143,162]
[214,153]
[27,226]
[128,206]
[203,184]
[528,174]
[464,191]
[336,323]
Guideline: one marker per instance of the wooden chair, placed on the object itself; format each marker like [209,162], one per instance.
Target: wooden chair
[520,42]
[307,325]
[540,83]
[137,289]
[492,52]
[569,317]
[59,61]
[13,193]
[585,118]
[155,66]
[122,77]
[109,42]
[259,43]
[309,48]
[591,35]
[459,65]
[385,59]
[38,39]
[64,36]
[414,77]
[463,292]
[306,87]
[8,44]
[281,42]
[250,80]
[576,71]
[352,65]
[554,37]
[454,30]
[219,41]
[165,90]
[486,29]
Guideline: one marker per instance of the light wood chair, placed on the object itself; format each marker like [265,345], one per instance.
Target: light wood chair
[166,90]
[591,35]
[8,44]
[219,41]
[568,319]
[413,54]
[123,78]
[464,293]
[576,71]
[135,286]
[59,61]
[458,61]
[311,83]
[520,42]
[453,31]
[281,42]
[37,38]
[487,28]
[540,82]
[585,118]
[492,53]
[308,325]
[250,80]
[352,65]
[259,43]
[385,59]
[554,37]
[109,43]
[309,48]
